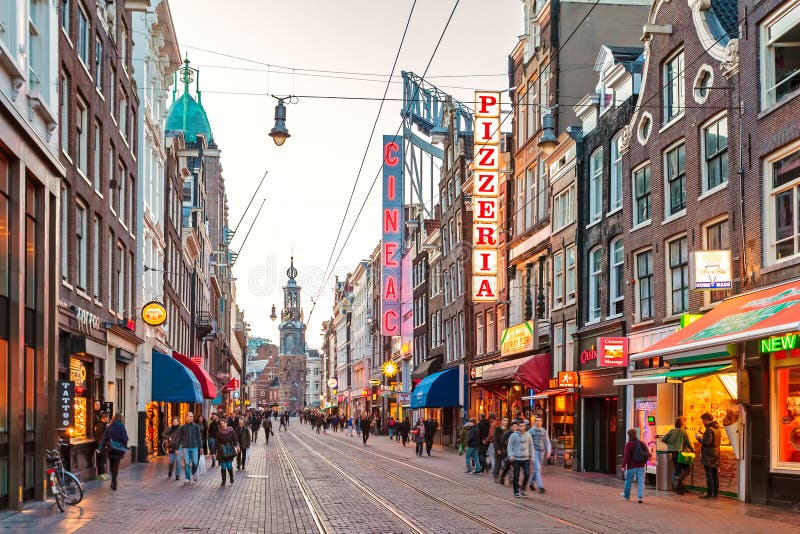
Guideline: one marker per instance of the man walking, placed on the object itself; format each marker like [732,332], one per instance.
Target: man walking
[283,423]
[430,431]
[267,424]
[255,425]
[189,439]
[542,448]
[363,425]
[471,441]
[244,438]
[499,447]
[710,442]
[483,435]
[520,450]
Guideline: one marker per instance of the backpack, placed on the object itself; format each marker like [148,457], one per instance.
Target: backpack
[640,453]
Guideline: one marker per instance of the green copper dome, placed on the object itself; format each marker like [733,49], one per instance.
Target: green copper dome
[188,116]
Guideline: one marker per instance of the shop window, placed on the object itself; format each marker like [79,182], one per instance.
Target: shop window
[780,55]
[675,180]
[3,390]
[5,234]
[31,247]
[596,186]
[786,422]
[644,422]
[641,195]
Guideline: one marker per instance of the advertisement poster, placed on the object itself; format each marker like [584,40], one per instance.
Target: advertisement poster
[613,351]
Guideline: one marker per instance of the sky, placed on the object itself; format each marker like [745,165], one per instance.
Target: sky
[248,49]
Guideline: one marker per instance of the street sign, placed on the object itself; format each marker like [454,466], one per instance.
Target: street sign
[66,404]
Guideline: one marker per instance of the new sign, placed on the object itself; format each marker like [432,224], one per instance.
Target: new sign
[712,269]
[392,242]
[612,351]
[485,192]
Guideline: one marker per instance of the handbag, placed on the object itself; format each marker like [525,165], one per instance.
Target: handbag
[117,446]
[686,458]
[227,451]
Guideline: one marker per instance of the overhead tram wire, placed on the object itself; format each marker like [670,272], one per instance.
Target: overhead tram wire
[248,205]
[375,180]
[369,140]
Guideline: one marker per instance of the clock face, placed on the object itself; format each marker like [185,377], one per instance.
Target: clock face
[286,315]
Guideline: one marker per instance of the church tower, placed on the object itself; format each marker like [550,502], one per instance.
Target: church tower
[292,328]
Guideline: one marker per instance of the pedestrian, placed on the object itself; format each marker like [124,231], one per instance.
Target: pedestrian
[520,451]
[326,421]
[189,441]
[335,423]
[115,439]
[471,440]
[418,435]
[213,433]
[364,425]
[430,432]
[499,447]
[634,458]
[255,425]
[710,441]
[226,450]
[357,424]
[171,446]
[506,467]
[405,428]
[542,447]
[244,437]
[392,424]
[203,425]
[267,424]
[680,447]
[378,425]
[484,426]
[284,422]
[99,429]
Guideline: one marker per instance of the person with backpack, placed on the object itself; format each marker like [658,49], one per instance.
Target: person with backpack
[634,458]
[680,447]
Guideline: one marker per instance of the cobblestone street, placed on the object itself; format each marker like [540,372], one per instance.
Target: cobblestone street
[304,482]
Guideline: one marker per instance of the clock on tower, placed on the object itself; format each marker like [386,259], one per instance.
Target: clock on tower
[292,329]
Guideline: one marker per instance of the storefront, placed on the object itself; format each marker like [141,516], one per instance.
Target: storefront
[437,396]
[175,389]
[556,407]
[501,386]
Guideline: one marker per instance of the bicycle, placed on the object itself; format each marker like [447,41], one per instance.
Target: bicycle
[65,486]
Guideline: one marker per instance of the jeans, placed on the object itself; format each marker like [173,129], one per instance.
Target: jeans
[526,473]
[226,465]
[391,432]
[638,472]
[538,460]
[482,449]
[114,464]
[241,457]
[712,480]
[498,462]
[212,446]
[190,461]
[419,448]
[472,459]
[428,445]
[101,463]
[174,462]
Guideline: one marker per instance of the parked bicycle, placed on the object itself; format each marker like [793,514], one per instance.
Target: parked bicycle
[65,486]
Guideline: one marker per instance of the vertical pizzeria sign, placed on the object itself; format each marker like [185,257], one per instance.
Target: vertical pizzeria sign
[485,192]
[392,221]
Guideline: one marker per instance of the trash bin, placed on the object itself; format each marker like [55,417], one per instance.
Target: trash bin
[664,470]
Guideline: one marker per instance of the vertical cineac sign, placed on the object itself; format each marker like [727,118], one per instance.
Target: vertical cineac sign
[392,242]
[485,193]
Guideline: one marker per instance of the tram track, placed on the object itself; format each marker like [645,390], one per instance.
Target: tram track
[515,503]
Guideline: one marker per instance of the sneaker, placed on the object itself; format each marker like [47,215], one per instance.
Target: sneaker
[541,490]
[187,482]
[640,501]
[177,478]
[523,494]
[194,477]
[516,494]
[169,475]
[468,472]
[623,496]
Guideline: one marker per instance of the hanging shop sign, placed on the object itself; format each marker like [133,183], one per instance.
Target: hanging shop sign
[389,368]
[232,385]
[567,379]
[712,269]
[332,383]
[517,338]
[485,192]
[476,372]
[612,351]
[154,313]
[392,241]
[66,404]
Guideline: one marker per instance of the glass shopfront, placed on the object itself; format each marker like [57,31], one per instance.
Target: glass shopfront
[786,419]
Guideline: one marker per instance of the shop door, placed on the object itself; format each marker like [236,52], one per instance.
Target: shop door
[600,434]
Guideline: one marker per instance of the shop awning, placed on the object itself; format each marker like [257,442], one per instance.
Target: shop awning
[427,367]
[206,383]
[679,374]
[754,315]
[532,371]
[439,390]
[550,393]
[172,382]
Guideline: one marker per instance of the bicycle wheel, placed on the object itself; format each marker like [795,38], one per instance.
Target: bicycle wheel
[58,495]
[72,489]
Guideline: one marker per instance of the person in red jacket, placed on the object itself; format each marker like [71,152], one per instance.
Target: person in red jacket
[634,458]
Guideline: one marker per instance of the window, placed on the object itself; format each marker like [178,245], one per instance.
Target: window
[595,270]
[448,347]
[782,180]
[123,114]
[64,233]
[123,182]
[98,64]
[5,264]
[558,348]
[679,275]
[522,118]
[703,83]
[81,245]
[533,107]
[780,56]
[717,238]
[571,329]
[111,181]
[675,176]
[572,274]
[544,81]
[785,428]
[98,144]
[615,193]
[641,195]
[616,261]
[530,195]
[83,36]
[37,32]
[111,272]
[63,116]
[123,45]
[65,15]
[563,210]
[644,284]
[645,127]
[96,263]
[558,279]
[715,154]
[596,185]
[674,98]
[112,88]
[121,261]
[82,136]
[519,213]
[491,343]
[542,193]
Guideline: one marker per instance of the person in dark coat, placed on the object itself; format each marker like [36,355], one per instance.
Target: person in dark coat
[171,438]
[255,424]
[98,431]
[430,431]
[226,450]
[244,438]
[115,432]
[710,442]
[213,433]
[267,424]
[203,425]
[483,435]
[189,439]
[499,447]
[364,424]
[405,428]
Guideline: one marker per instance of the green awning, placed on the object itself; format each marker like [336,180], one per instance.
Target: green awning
[695,372]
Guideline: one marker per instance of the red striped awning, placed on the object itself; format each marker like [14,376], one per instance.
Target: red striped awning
[206,382]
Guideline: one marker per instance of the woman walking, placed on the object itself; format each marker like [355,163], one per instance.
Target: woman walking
[418,435]
[226,450]
[115,439]
[201,422]
[678,441]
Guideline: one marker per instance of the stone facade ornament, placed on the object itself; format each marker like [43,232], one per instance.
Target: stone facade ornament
[730,65]
[625,139]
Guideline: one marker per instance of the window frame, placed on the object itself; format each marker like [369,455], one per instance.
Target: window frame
[719,155]
[594,312]
[558,280]
[683,264]
[565,215]
[673,111]
[770,194]
[616,283]
[679,176]
[639,278]
[81,245]
[767,57]
[615,195]
[571,273]
[643,197]
[596,185]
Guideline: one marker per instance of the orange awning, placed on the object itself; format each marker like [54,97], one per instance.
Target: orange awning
[758,314]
